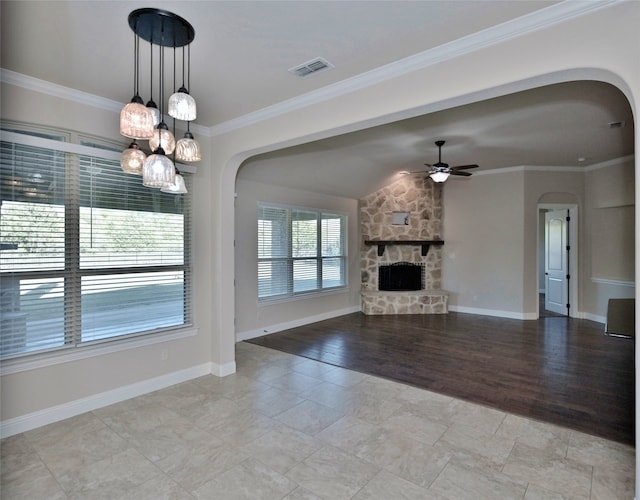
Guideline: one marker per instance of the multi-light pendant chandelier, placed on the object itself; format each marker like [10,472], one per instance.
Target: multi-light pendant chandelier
[146,122]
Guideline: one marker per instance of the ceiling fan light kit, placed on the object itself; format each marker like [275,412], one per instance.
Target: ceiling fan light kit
[139,122]
[439,176]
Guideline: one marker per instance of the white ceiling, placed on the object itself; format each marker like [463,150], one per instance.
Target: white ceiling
[240,60]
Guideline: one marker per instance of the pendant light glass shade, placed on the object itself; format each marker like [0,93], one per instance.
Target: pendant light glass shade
[158,171]
[182,106]
[132,159]
[151,106]
[178,186]
[136,121]
[188,149]
[439,176]
[162,138]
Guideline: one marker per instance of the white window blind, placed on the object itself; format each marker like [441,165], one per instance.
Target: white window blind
[88,253]
[299,250]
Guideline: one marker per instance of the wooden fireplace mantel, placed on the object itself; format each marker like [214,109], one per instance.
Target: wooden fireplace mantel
[425,244]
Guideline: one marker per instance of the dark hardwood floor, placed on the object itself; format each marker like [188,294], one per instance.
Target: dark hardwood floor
[556,369]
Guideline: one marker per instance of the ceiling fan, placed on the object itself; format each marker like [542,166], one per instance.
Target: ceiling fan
[440,172]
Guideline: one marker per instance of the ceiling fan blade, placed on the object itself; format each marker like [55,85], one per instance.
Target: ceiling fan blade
[460,172]
[464,167]
[418,173]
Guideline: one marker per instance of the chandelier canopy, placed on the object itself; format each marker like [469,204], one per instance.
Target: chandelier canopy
[161,29]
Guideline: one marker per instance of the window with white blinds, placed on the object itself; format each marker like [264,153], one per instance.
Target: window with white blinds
[299,251]
[87,253]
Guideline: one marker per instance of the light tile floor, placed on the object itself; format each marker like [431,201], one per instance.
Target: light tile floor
[286,427]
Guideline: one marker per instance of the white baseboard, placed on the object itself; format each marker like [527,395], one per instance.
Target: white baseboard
[259,332]
[53,414]
[493,312]
[593,317]
[223,370]
[522,316]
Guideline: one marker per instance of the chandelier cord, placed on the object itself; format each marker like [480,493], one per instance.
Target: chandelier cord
[151,73]
[188,78]
[188,65]
[174,149]
[183,66]
[174,120]
[174,69]
[161,84]
[136,45]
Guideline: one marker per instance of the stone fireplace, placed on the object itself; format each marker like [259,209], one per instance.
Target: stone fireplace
[400,225]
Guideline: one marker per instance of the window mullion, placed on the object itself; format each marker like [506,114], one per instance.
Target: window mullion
[290,288]
[72,278]
[187,255]
[319,249]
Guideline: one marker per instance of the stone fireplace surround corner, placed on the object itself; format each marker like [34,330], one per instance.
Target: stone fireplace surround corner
[388,243]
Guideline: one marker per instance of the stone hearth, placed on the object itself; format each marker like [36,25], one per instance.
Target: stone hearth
[413,302]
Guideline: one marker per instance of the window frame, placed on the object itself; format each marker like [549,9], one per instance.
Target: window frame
[290,260]
[33,136]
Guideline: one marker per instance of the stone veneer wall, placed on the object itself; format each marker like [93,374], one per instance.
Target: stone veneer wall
[421,302]
[422,198]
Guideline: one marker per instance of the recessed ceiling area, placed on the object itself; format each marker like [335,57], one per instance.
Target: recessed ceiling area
[560,125]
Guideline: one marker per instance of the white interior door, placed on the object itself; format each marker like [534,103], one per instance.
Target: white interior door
[556,268]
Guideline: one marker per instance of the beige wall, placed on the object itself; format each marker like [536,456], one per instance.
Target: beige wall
[609,256]
[253,320]
[491,231]
[483,230]
[611,242]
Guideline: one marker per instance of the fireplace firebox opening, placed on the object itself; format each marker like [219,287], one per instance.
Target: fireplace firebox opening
[401,276]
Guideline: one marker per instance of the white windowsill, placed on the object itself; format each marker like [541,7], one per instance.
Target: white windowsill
[42,360]
[302,296]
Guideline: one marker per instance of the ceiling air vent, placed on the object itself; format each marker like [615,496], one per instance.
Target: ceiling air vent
[310,67]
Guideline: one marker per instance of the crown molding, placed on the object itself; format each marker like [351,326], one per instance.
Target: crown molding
[555,168]
[55,90]
[44,87]
[541,19]
[610,163]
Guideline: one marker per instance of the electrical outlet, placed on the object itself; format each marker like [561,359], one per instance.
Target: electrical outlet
[164,354]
